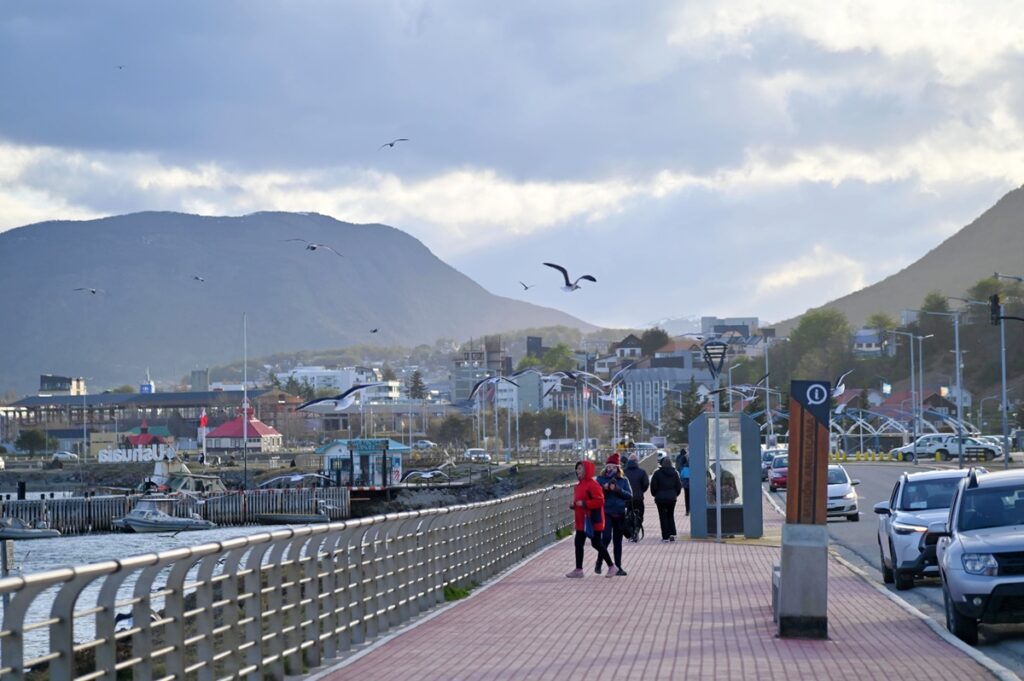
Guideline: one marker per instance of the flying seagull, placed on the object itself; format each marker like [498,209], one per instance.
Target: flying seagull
[197,277]
[93,291]
[393,142]
[375,330]
[570,286]
[326,405]
[311,246]
[526,287]
[840,387]
[491,379]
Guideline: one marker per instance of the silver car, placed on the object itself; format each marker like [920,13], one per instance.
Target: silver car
[917,501]
[980,553]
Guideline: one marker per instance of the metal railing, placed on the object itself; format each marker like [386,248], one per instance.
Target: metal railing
[268,604]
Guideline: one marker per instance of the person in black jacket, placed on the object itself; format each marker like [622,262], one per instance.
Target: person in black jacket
[683,464]
[665,488]
[639,482]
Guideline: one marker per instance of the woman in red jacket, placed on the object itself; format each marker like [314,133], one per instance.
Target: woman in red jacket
[588,503]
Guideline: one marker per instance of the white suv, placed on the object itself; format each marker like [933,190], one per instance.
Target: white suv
[917,500]
[981,553]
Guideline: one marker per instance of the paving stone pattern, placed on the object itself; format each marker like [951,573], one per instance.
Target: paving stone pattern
[686,610]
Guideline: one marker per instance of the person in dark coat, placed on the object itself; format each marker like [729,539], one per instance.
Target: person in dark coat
[665,488]
[588,502]
[639,482]
[683,464]
[617,494]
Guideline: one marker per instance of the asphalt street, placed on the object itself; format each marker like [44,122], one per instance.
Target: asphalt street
[858,543]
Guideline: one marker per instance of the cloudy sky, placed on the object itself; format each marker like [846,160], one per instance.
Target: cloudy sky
[731,158]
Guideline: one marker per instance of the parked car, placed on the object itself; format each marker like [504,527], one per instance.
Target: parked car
[917,500]
[980,552]
[65,457]
[477,454]
[842,497]
[423,444]
[778,472]
[644,449]
[766,460]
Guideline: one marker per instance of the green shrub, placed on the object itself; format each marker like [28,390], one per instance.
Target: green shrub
[563,532]
[454,593]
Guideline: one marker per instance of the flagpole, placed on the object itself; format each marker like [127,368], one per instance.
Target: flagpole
[245,404]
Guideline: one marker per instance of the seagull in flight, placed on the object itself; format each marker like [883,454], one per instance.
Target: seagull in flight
[312,246]
[840,387]
[93,291]
[374,330]
[327,405]
[491,379]
[197,277]
[393,142]
[526,287]
[570,286]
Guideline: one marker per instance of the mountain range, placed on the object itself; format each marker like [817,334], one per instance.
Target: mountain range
[994,242]
[171,289]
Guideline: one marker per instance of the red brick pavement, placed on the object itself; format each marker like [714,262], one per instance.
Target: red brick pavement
[686,610]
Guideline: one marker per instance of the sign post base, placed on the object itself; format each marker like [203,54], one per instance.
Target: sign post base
[803,583]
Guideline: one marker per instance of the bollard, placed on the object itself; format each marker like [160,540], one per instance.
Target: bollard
[21,490]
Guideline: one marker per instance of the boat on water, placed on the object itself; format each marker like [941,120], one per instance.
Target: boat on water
[152,513]
[292,518]
[16,528]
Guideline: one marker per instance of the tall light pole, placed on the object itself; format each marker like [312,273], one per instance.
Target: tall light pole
[245,402]
[714,356]
[920,383]
[736,366]
[996,303]
[913,391]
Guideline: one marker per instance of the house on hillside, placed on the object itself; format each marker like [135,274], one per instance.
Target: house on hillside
[868,343]
[628,348]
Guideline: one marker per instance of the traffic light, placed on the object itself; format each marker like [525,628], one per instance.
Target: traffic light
[994,308]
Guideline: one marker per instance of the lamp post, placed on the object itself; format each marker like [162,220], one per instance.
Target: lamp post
[714,356]
[1002,356]
[959,385]
[736,366]
[920,382]
[913,393]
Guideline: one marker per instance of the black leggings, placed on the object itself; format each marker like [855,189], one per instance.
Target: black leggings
[667,518]
[595,541]
[614,531]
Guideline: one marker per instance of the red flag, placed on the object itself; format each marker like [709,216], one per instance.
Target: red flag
[203,420]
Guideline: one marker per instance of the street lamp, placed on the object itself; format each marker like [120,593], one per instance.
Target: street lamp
[959,385]
[734,366]
[1002,355]
[913,392]
[714,357]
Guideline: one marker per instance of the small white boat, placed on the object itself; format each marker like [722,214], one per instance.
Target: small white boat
[151,514]
[16,528]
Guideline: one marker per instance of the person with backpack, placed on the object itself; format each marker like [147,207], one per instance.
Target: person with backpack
[683,464]
[639,482]
[665,488]
[588,505]
[617,494]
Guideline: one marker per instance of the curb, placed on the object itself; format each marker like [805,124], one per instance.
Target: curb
[440,610]
[997,670]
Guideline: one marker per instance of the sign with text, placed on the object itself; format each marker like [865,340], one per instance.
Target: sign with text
[807,480]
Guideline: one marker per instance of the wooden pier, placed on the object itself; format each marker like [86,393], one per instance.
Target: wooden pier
[84,515]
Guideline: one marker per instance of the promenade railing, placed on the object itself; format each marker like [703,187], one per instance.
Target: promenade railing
[268,604]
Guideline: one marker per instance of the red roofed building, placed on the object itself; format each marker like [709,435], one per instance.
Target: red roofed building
[145,438]
[229,436]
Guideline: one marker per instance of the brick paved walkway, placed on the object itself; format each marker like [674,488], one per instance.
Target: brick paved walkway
[687,610]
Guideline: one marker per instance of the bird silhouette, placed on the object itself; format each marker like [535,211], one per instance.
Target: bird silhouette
[570,286]
[93,291]
[120,67]
[393,142]
[840,387]
[312,246]
[526,287]
[490,379]
[197,277]
[374,330]
[326,405]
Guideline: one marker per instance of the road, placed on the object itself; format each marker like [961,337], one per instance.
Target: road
[857,542]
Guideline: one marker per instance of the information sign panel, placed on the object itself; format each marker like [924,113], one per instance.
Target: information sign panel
[807,481]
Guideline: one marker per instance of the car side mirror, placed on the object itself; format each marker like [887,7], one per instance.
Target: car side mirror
[882,508]
[939,529]
[855,482]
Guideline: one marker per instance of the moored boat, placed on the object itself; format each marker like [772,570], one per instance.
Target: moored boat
[16,528]
[152,514]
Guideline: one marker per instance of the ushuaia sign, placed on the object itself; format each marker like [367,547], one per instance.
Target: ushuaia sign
[136,454]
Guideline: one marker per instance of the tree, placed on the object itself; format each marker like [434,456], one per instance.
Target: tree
[33,440]
[417,389]
[292,386]
[821,341]
[124,389]
[681,413]
[651,340]
[881,321]
[275,382]
[454,430]
[387,373]
[528,362]
[559,358]
[630,424]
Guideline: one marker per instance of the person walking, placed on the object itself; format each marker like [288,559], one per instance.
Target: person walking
[683,464]
[665,488]
[617,494]
[639,482]
[588,505]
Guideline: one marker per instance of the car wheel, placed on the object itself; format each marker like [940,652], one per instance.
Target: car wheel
[887,575]
[943,454]
[904,580]
[853,517]
[773,488]
[964,628]
[990,455]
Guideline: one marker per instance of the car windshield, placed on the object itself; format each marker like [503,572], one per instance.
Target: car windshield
[837,476]
[991,507]
[923,495]
[780,462]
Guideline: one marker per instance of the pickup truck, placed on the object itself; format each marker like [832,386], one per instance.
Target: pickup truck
[944,446]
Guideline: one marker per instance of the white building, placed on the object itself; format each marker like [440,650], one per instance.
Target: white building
[322,378]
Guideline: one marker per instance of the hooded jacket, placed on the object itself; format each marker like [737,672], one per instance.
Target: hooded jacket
[665,483]
[638,480]
[615,500]
[590,493]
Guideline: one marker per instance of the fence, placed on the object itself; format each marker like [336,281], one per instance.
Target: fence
[81,515]
[269,604]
